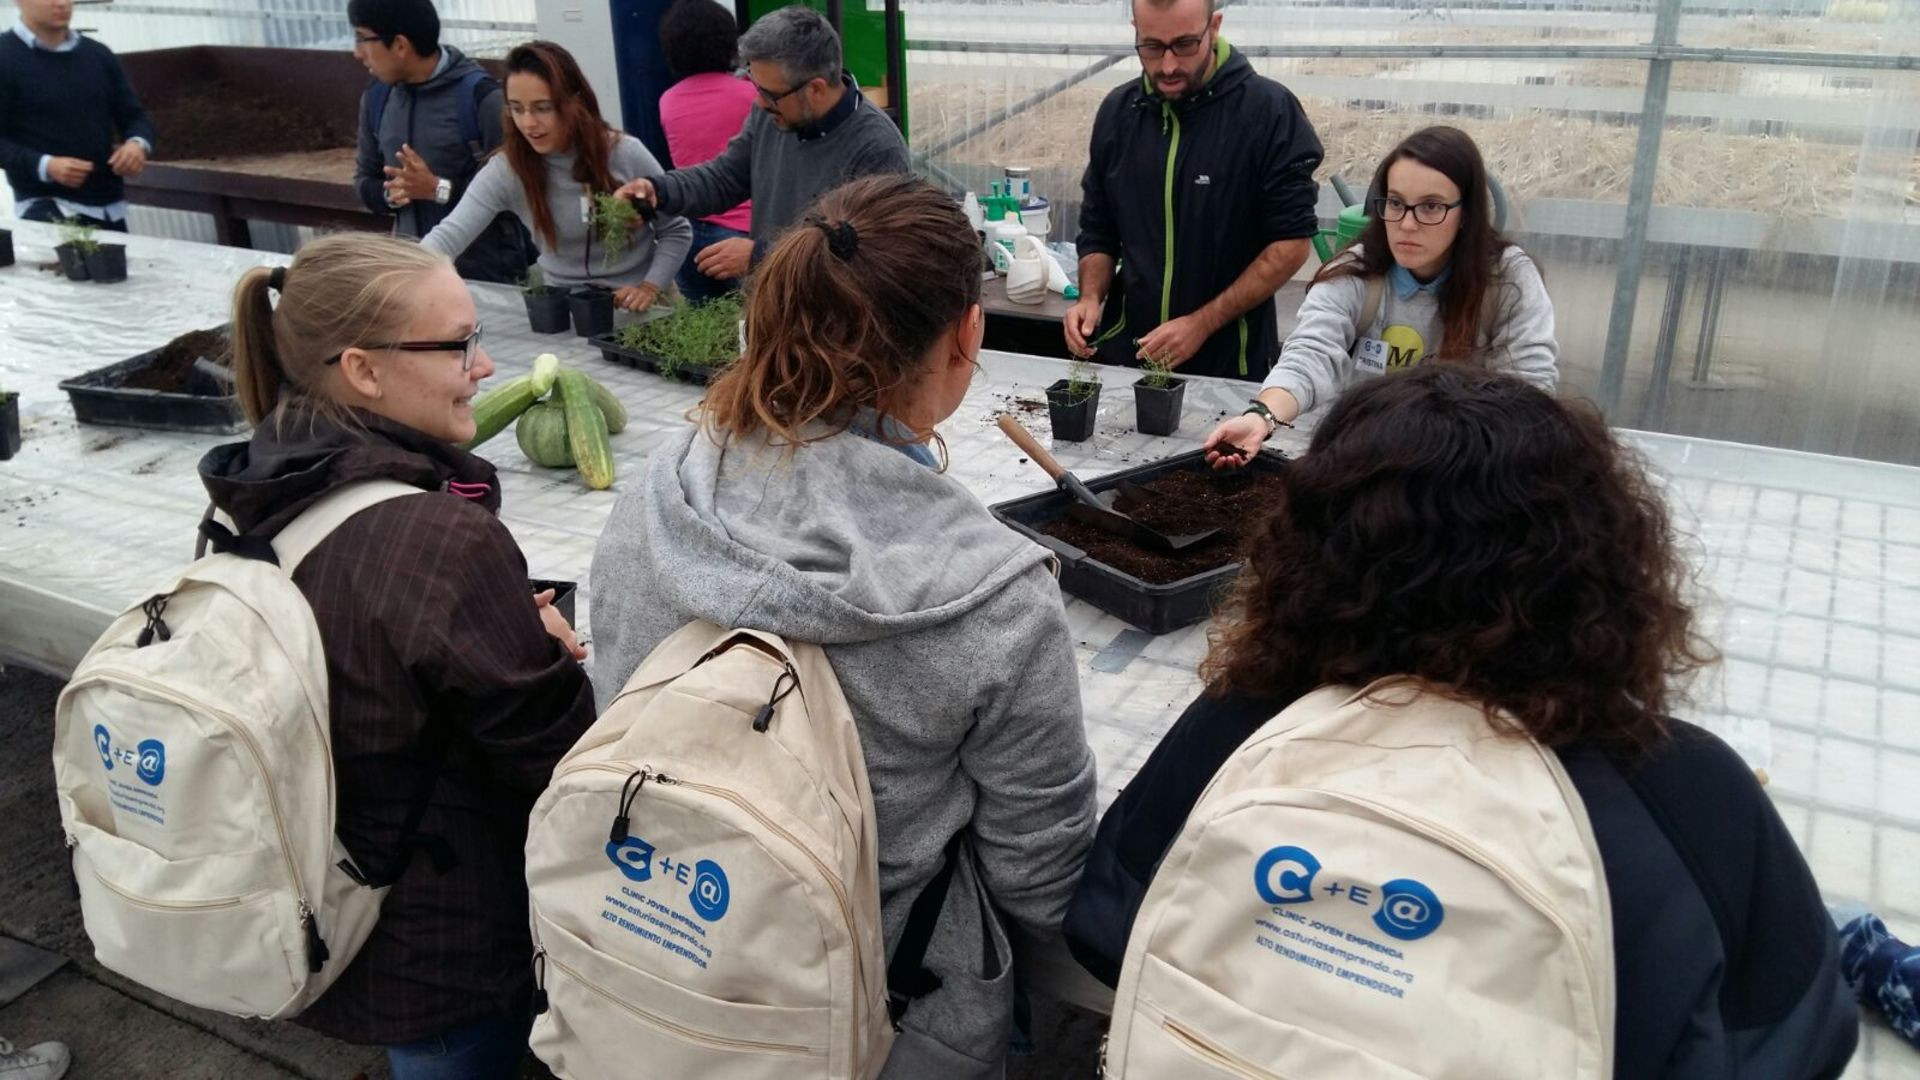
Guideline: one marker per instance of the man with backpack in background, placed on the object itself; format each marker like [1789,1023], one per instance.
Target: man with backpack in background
[428,121]
[64,101]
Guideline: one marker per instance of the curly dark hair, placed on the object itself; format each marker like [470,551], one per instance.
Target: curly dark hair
[698,37]
[1464,528]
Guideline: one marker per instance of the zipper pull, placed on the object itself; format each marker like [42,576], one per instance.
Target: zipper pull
[73,876]
[788,681]
[1102,1074]
[317,952]
[539,980]
[639,778]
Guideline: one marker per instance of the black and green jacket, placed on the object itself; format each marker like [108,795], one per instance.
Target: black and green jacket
[1186,194]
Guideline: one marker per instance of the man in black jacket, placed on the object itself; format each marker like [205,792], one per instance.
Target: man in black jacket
[428,120]
[71,126]
[1199,187]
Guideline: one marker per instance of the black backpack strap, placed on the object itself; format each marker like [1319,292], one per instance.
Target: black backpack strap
[907,975]
[438,740]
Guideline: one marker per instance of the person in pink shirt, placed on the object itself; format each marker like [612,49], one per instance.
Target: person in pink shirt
[700,113]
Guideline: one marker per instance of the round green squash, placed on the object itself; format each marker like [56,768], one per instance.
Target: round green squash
[542,434]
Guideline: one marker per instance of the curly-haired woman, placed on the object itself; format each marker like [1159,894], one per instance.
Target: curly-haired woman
[1462,528]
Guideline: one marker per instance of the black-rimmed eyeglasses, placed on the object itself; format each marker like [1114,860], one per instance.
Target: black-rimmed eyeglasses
[1182,47]
[1388,208]
[772,98]
[467,347]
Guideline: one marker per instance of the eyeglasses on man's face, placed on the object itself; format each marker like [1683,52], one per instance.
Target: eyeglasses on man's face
[774,97]
[1431,212]
[468,347]
[1182,47]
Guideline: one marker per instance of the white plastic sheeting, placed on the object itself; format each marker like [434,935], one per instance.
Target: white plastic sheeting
[1810,566]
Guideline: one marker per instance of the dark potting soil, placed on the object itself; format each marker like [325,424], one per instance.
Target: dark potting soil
[1183,502]
[220,121]
[170,370]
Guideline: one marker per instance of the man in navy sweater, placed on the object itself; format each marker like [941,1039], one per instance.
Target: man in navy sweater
[70,124]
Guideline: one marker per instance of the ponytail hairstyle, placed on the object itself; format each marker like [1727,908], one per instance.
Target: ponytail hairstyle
[341,291]
[577,111]
[1474,259]
[842,312]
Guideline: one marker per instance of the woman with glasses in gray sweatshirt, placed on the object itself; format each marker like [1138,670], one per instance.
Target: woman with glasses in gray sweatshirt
[1429,280]
[557,154]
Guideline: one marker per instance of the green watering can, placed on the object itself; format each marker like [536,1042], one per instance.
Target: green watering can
[1351,223]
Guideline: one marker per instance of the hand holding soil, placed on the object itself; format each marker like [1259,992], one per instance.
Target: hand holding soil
[727,260]
[1081,324]
[69,171]
[636,297]
[411,178]
[128,160]
[641,189]
[1236,441]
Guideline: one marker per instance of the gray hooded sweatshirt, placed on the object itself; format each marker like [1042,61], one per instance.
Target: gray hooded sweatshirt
[948,636]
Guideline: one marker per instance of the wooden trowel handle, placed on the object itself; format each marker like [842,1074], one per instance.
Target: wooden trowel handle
[1024,439]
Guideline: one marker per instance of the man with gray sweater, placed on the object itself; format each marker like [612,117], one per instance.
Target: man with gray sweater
[812,131]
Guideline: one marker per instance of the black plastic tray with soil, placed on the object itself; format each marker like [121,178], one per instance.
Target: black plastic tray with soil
[1156,592]
[615,353]
[165,389]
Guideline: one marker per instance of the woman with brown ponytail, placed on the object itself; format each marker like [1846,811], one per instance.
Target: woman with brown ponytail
[447,679]
[809,500]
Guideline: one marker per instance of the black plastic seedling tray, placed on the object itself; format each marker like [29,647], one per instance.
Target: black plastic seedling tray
[1157,609]
[100,397]
[615,353]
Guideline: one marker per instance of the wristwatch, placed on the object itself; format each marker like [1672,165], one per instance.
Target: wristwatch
[443,191]
[1259,409]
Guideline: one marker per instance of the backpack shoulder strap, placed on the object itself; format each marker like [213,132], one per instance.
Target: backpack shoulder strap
[1370,307]
[295,542]
[474,85]
[378,106]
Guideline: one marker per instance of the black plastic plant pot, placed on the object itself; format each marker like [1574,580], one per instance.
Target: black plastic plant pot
[9,425]
[6,248]
[563,595]
[1156,410]
[592,307]
[72,262]
[1155,608]
[1072,420]
[107,263]
[547,310]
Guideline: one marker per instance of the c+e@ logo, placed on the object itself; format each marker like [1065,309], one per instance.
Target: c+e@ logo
[1409,909]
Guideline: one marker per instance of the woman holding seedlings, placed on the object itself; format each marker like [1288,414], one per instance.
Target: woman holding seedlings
[809,500]
[448,682]
[1429,279]
[557,174]
[1457,536]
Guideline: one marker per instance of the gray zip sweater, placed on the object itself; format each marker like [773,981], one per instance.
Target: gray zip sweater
[1321,356]
[784,172]
[653,252]
[949,639]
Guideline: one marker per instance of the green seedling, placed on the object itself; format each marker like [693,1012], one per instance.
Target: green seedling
[700,335]
[614,219]
[1081,382]
[1159,374]
[80,235]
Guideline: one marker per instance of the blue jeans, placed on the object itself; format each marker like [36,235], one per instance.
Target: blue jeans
[697,287]
[489,1049]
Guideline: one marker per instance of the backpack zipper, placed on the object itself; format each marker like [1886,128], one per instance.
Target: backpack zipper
[317,951]
[1194,1043]
[679,1030]
[168,905]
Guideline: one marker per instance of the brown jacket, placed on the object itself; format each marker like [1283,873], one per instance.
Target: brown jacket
[426,618]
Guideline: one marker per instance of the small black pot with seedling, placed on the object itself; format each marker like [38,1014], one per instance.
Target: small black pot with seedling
[6,248]
[75,239]
[1072,404]
[1157,398]
[592,307]
[546,304]
[9,424]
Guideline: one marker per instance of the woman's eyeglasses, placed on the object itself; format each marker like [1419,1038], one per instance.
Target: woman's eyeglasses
[467,347]
[1388,208]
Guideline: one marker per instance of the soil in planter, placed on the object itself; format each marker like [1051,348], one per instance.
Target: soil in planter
[170,371]
[221,121]
[1185,502]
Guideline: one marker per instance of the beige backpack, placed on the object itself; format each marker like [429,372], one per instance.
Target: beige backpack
[192,756]
[1377,884]
[704,877]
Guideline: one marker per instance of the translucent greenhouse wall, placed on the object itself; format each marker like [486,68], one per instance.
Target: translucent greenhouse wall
[1778,297]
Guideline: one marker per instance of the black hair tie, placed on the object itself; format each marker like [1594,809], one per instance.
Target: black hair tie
[842,240]
[277,279]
